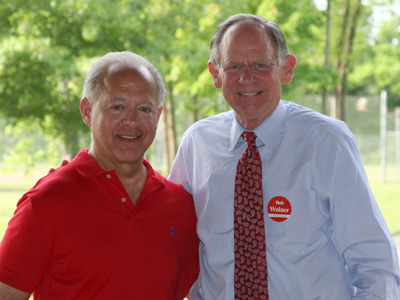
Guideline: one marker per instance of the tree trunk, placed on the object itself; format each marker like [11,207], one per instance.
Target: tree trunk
[169,131]
[345,47]
[195,109]
[327,56]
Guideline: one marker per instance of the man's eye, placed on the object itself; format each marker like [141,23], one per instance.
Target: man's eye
[117,107]
[234,67]
[261,66]
[145,109]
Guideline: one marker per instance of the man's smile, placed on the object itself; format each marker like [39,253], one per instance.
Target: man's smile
[128,137]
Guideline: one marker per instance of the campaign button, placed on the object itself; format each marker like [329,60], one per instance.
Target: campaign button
[279,209]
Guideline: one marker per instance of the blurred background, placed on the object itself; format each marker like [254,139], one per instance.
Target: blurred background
[348,67]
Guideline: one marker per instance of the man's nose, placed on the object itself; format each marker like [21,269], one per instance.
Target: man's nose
[246,76]
[131,118]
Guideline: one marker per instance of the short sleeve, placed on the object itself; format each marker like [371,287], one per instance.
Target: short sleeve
[23,250]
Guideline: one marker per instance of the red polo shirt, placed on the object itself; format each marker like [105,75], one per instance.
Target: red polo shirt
[77,235]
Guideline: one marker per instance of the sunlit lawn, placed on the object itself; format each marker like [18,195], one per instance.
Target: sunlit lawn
[386,194]
[12,185]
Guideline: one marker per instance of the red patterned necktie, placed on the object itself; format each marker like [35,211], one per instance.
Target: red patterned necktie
[251,281]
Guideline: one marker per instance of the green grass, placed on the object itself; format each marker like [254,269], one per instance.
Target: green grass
[387,195]
[13,184]
[8,202]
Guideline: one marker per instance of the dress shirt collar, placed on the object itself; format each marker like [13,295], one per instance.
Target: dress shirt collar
[269,132]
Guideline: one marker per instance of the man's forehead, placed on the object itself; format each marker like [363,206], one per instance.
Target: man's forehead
[245,29]
[129,77]
[139,70]
[246,38]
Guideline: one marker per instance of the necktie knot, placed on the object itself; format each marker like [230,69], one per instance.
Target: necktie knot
[249,137]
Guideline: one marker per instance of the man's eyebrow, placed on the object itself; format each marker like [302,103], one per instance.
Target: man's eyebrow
[233,62]
[145,101]
[149,100]
[117,99]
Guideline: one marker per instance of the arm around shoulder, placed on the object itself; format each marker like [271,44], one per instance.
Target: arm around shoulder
[9,293]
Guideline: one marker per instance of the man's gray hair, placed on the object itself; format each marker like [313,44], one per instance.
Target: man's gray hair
[271,27]
[119,60]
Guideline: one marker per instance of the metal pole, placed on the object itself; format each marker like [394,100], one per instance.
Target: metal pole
[397,138]
[383,122]
[333,107]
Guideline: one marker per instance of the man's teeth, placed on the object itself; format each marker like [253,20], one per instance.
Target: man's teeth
[128,137]
[252,94]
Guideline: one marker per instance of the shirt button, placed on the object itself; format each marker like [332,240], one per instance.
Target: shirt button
[123,200]
[108,176]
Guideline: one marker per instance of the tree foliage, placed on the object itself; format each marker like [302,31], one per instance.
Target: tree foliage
[377,65]
[46,48]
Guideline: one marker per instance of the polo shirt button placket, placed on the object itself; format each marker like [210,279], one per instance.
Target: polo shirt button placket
[123,199]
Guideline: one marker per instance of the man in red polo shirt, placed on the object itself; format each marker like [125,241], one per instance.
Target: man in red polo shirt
[106,226]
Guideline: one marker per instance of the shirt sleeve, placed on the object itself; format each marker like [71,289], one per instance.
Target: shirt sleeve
[23,250]
[360,233]
[179,169]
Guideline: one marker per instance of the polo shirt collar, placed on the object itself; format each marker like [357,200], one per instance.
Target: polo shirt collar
[153,182]
[269,132]
[87,166]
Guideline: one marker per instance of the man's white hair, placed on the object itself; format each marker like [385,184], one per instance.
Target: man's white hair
[119,60]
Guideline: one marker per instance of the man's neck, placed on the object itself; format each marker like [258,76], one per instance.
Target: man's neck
[132,175]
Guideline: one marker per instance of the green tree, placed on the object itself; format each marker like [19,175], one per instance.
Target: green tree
[46,48]
[344,49]
[376,67]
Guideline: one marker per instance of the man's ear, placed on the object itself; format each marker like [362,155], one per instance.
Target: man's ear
[159,113]
[86,111]
[215,74]
[288,68]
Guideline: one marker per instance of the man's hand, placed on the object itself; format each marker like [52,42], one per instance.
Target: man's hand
[9,293]
[63,163]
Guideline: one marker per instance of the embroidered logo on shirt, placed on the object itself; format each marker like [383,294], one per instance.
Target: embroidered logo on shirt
[172,230]
[279,209]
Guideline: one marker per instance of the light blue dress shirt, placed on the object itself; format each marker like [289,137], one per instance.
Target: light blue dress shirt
[334,243]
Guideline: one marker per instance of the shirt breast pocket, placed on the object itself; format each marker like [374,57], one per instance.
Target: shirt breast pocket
[295,219]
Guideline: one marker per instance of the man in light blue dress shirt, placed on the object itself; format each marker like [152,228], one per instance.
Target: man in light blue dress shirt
[325,235]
